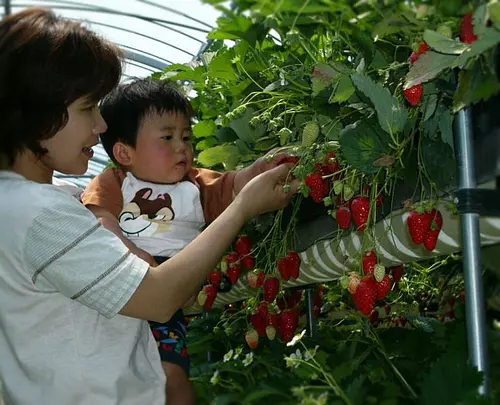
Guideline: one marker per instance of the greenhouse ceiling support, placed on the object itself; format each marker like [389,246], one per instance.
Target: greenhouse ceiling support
[7,7]
[474,296]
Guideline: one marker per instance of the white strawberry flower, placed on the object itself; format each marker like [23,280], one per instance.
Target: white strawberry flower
[228,356]
[248,359]
[296,339]
[215,378]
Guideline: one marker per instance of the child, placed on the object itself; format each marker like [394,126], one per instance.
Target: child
[73,299]
[156,201]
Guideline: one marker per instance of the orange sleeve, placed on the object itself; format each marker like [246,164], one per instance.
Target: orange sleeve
[105,191]
[216,191]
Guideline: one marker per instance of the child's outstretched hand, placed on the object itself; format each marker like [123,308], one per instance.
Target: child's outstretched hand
[261,165]
[269,191]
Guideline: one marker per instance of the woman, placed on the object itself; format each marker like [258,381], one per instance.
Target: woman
[72,297]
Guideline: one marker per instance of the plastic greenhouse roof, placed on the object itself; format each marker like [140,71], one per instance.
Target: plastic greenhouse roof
[152,34]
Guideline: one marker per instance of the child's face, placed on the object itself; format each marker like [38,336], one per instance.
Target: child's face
[69,150]
[163,152]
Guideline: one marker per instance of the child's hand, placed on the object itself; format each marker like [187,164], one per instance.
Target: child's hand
[261,165]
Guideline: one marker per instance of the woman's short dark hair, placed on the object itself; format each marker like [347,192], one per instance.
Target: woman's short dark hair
[46,63]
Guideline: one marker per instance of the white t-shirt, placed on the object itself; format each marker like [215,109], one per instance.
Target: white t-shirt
[161,219]
[63,280]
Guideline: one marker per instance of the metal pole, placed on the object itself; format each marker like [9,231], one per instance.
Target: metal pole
[311,320]
[7,8]
[474,296]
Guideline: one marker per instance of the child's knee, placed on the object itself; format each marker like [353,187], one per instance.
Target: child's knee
[175,374]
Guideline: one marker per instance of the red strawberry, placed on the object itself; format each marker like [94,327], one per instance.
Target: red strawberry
[252,338]
[322,169]
[365,296]
[374,317]
[418,225]
[289,159]
[260,279]
[397,272]
[384,287]
[248,262]
[271,288]
[414,94]
[360,209]
[259,323]
[243,245]
[331,162]
[422,48]
[403,321]
[270,332]
[283,268]
[232,258]
[467,30]
[288,323]
[255,278]
[293,260]
[369,261]
[387,308]
[318,186]
[318,303]
[343,217]
[262,309]
[215,277]
[211,292]
[234,274]
[431,237]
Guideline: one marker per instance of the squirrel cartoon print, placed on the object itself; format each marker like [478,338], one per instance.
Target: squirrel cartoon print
[144,216]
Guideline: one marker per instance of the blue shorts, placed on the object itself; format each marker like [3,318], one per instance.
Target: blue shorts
[171,337]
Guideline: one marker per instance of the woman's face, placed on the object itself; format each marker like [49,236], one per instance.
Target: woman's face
[70,150]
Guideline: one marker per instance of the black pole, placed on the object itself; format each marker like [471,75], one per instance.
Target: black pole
[7,7]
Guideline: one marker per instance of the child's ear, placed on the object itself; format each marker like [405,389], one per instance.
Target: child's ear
[123,153]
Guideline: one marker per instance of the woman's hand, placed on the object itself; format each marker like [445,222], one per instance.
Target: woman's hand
[269,191]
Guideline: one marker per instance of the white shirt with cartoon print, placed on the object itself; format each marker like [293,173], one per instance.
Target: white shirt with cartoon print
[160,218]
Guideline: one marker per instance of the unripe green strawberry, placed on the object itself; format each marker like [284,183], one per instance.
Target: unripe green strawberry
[379,272]
[252,338]
[348,192]
[344,281]
[270,332]
[354,280]
[445,30]
[202,297]
[310,133]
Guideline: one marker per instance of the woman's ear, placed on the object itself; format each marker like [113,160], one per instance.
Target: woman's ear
[123,153]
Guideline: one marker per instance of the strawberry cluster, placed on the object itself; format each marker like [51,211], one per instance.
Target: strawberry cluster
[318,182]
[424,227]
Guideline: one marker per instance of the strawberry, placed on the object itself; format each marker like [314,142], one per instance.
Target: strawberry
[397,272]
[211,292]
[365,296]
[379,272]
[271,288]
[243,245]
[414,94]
[293,260]
[422,48]
[202,298]
[255,278]
[331,162]
[270,332]
[283,268]
[360,209]
[418,225]
[262,309]
[369,261]
[310,133]
[322,169]
[215,277]
[248,262]
[259,323]
[289,159]
[319,188]
[252,338]
[318,303]
[353,283]
[288,323]
[343,217]
[432,235]
[374,317]
[467,30]
[384,287]
[234,274]
[387,308]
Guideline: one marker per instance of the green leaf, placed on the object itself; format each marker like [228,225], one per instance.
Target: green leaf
[183,72]
[231,27]
[450,380]
[480,19]
[363,143]
[429,106]
[475,85]
[494,12]
[226,135]
[343,90]
[221,66]
[356,392]
[204,128]
[428,66]
[446,128]
[322,77]
[391,114]
[222,154]
[393,24]
[207,143]
[443,44]
[241,126]
[439,161]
